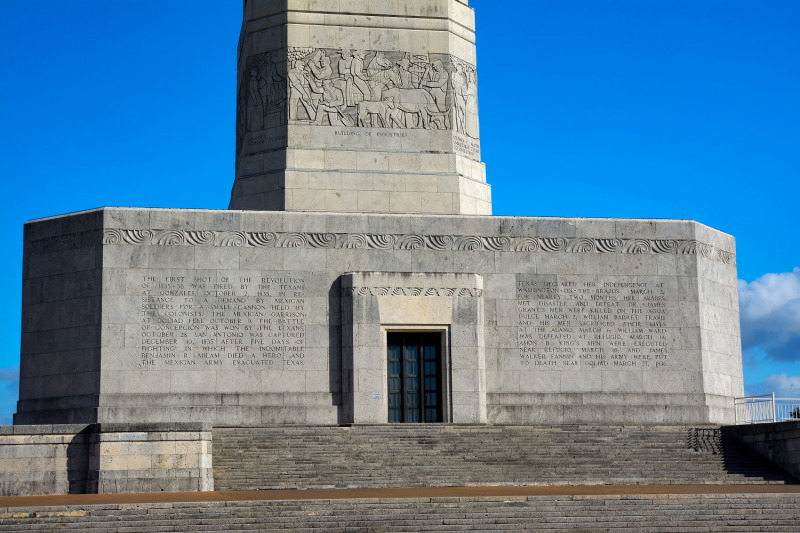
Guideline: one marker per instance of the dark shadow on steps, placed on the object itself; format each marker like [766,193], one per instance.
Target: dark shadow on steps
[737,458]
[411,455]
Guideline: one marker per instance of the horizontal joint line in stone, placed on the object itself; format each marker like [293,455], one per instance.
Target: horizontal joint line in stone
[354,171]
[347,13]
[360,150]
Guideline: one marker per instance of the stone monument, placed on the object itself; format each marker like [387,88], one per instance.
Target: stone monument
[358,277]
[368,107]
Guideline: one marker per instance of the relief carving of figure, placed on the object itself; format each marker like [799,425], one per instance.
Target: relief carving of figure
[299,91]
[266,81]
[436,81]
[472,106]
[265,93]
[362,88]
[403,70]
[332,105]
[382,74]
[359,78]
[255,109]
[459,81]
[320,65]
[343,65]
[317,69]
[345,81]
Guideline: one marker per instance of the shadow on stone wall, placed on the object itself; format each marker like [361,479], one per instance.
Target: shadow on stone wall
[737,458]
[335,348]
[776,443]
[78,461]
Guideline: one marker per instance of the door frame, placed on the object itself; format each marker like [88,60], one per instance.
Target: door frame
[373,302]
[444,363]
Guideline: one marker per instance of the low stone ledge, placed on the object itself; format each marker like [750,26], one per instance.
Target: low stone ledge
[158,427]
[105,458]
[44,429]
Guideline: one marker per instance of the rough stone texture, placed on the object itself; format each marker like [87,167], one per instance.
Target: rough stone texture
[235,317]
[105,459]
[662,513]
[358,106]
[779,442]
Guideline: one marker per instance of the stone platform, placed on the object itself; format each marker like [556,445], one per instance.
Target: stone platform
[108,459]
[432,455]
[105,458]
[652,509]
[253,318]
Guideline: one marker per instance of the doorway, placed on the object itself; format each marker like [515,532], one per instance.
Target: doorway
[415,376]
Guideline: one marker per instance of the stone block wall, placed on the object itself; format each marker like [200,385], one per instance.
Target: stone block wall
[62,280]
[235,318]
[150,458]
[105,459]
[359,106]
[44,459]
[779,442]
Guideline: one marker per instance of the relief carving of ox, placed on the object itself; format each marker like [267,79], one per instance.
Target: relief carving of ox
[414,101]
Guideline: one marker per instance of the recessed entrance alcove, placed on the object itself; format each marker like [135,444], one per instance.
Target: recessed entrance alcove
[389,323]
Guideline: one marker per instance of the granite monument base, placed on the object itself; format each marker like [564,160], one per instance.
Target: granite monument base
[251,318]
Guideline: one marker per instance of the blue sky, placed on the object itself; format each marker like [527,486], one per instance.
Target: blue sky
[624,108]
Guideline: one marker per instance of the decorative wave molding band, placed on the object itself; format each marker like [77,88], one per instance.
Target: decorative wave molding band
[412,291]
[379,242]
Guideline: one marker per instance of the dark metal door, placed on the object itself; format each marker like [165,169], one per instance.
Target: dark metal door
[415,384]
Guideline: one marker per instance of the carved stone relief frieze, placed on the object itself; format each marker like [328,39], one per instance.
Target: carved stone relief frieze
[358,88]
[155,237]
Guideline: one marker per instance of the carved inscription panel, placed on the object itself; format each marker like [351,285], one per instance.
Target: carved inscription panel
[596,323]
[208,320]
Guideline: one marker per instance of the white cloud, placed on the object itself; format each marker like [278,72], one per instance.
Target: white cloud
[9,393]
[783,385]
[769,311]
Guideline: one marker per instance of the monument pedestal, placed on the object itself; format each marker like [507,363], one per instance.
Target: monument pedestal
[252,318]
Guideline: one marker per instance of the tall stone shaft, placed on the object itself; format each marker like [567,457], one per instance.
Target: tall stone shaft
[358,106]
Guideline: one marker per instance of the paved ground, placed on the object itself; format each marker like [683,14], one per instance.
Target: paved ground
[425,492]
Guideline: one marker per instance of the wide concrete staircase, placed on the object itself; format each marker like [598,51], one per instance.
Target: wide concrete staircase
[452,455]
[589,514]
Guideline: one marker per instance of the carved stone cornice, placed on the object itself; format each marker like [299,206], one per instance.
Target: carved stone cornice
[456,292]
[247,239]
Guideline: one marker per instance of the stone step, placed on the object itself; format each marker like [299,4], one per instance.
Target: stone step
[640,513]
[448,455]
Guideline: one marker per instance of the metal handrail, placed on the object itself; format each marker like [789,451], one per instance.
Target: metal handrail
[766,408]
